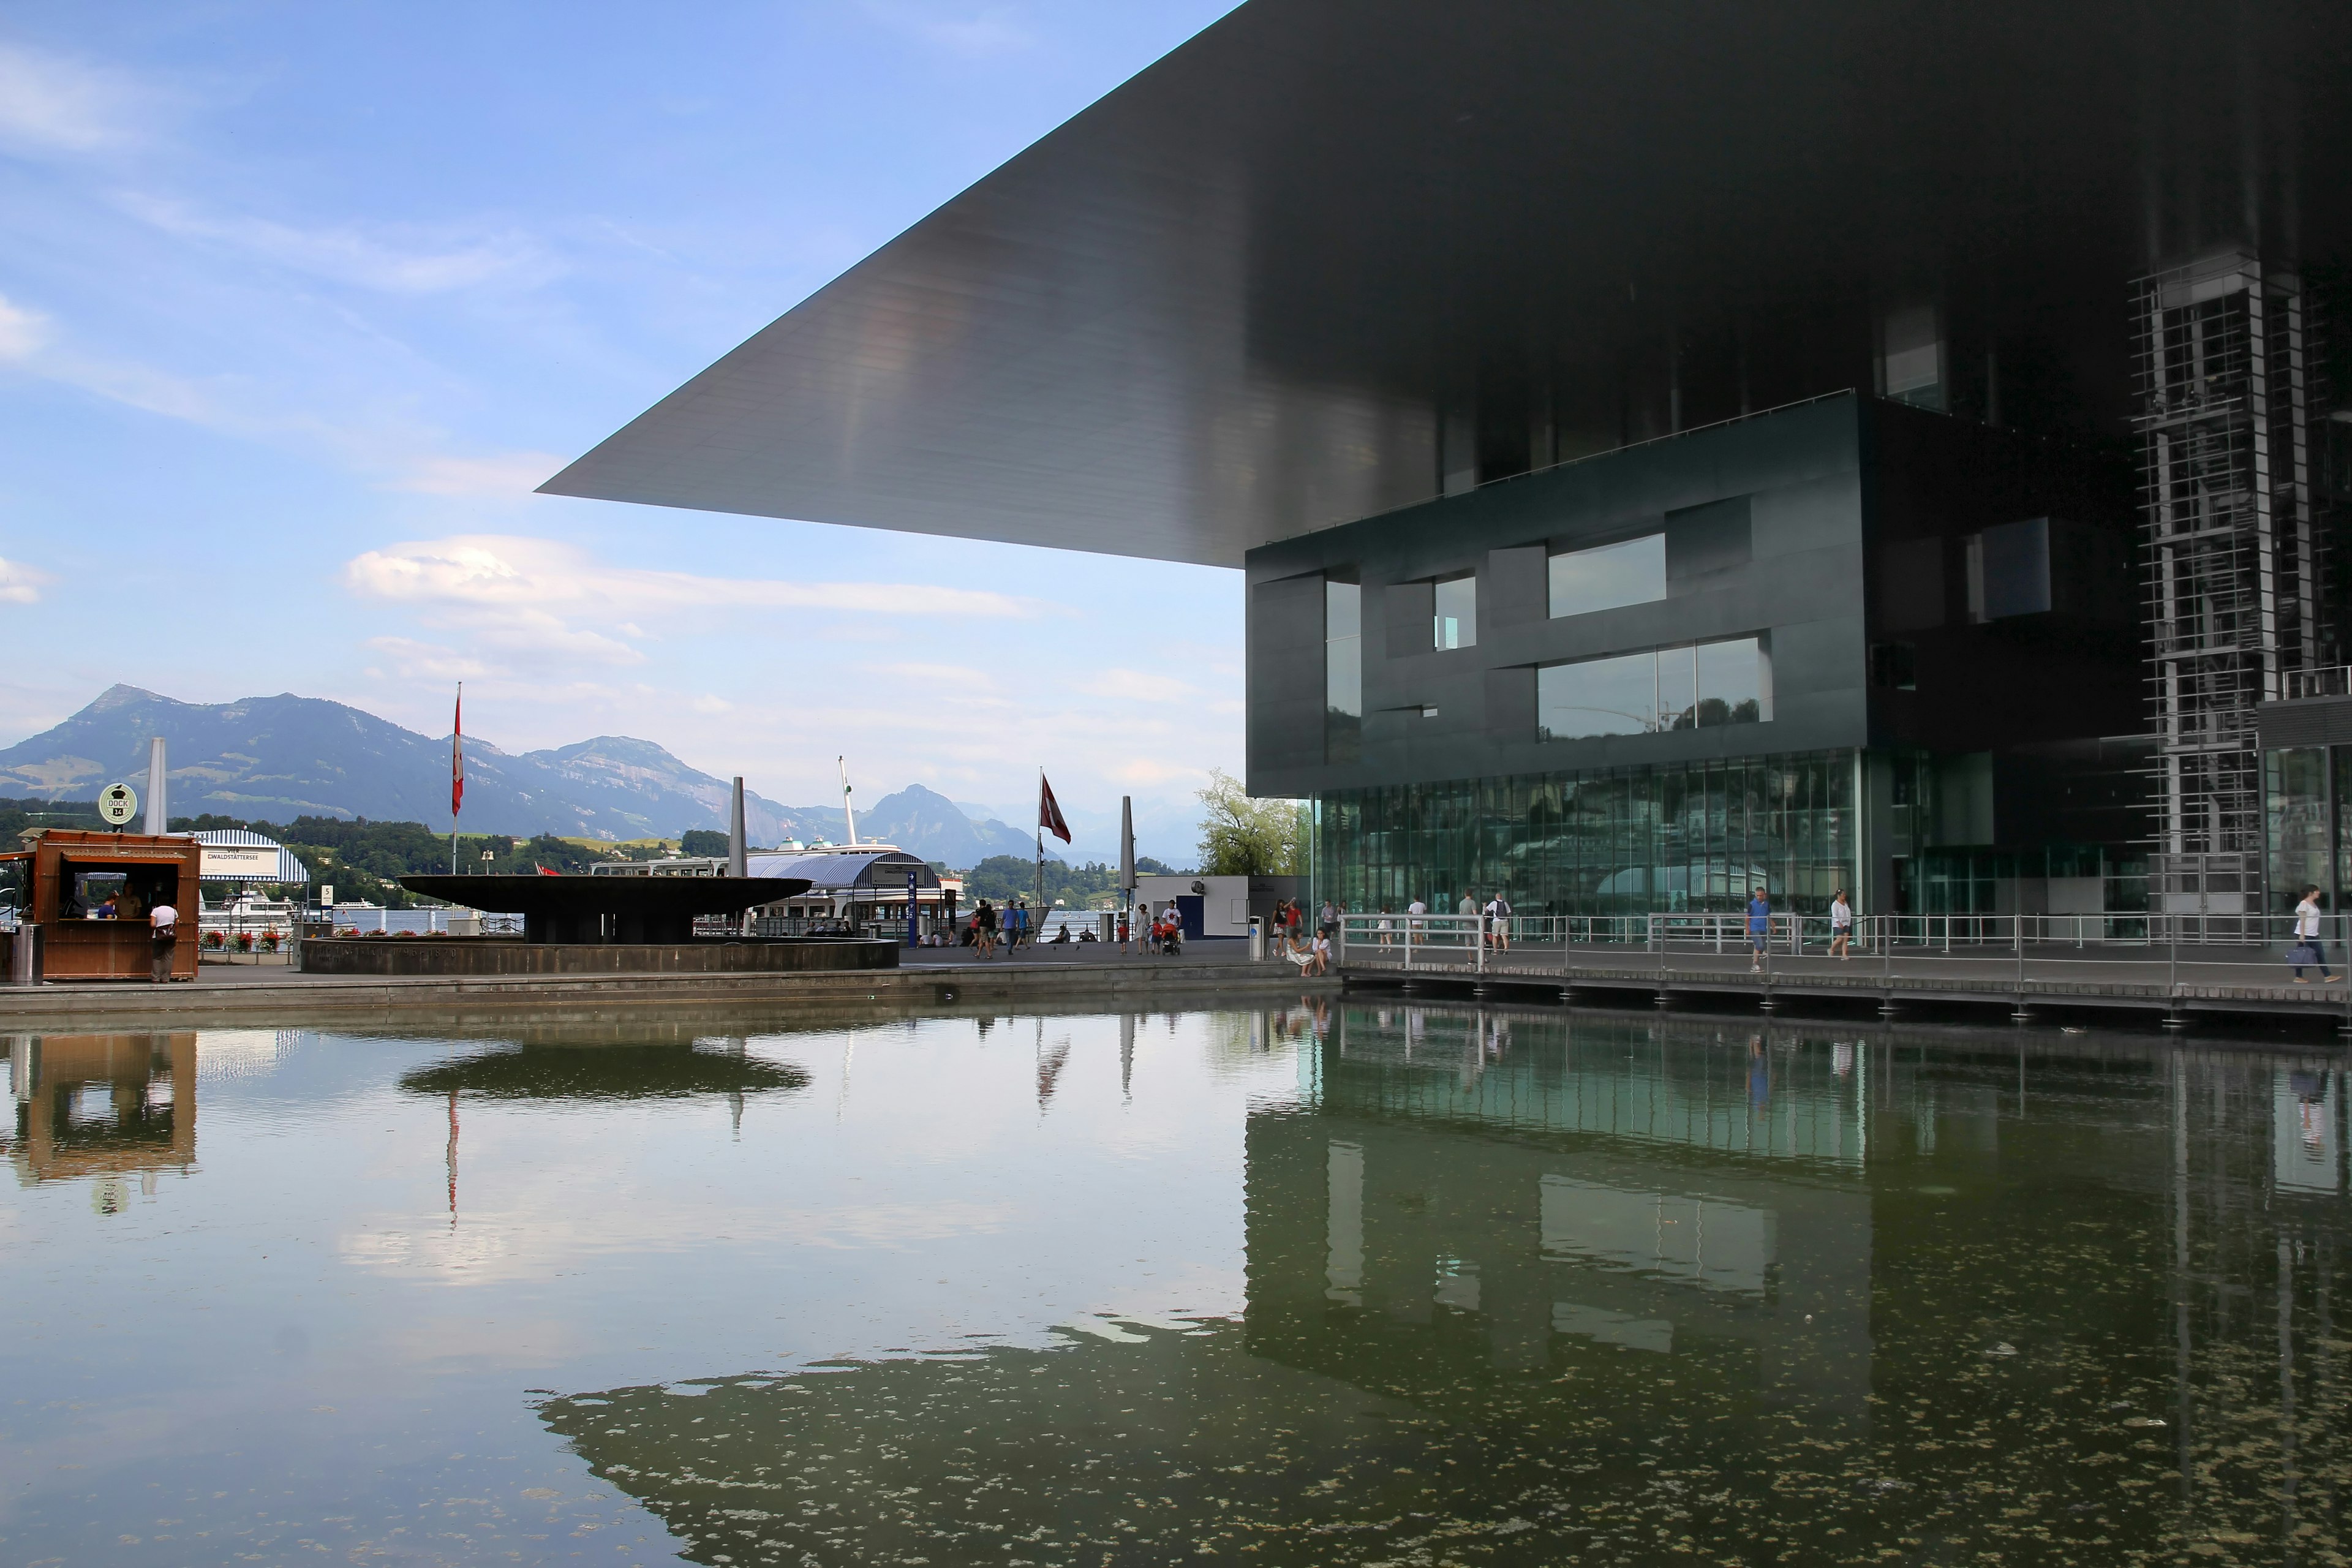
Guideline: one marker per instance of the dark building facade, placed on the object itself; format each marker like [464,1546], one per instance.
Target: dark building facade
[1832,443]
[1849,644]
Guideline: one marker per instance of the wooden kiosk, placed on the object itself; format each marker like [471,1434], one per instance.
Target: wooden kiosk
[91,894]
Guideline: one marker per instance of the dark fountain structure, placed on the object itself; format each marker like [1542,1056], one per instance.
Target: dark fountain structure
[598,925]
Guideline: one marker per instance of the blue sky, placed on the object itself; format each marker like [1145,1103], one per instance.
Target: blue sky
[298,302]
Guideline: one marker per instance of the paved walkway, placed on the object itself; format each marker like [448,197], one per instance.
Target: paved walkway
[2206,980]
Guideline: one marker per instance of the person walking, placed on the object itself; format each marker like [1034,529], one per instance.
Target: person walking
[1327,926]
[1760,930]
[984,922]
[1388,928]
[2307,948]
[1123,917]
[1499,916]
[1841,925]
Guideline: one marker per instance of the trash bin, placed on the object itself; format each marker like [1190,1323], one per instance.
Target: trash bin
[1258,936]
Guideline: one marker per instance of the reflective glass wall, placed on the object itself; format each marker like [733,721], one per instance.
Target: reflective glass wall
[1693,835]
[2307,822]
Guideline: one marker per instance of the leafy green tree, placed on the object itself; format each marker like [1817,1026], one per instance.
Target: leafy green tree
[1246,837]
[703,841]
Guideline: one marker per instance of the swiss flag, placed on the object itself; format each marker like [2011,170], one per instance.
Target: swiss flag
[1049,811]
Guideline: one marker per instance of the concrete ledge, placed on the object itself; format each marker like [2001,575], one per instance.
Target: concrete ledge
[488,955]
[387,999]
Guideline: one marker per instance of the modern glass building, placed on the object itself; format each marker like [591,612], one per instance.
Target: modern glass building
[1834,445]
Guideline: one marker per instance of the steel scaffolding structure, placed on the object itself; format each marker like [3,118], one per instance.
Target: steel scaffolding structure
[2233,561]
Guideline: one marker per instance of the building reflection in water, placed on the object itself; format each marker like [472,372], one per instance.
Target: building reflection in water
[1524,1287]
[110,1107]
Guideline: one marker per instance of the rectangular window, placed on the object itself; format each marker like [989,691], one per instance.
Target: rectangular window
[2296,787]
[1633,571]
[1455,624]
[1665,689]
[1343,672]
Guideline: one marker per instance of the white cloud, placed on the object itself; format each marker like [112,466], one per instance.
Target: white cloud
[22,331]
[510,573]
[51,103]
[1137,686]
[978,32]
[414,659]
[508,474]
[20,583]
[393,260]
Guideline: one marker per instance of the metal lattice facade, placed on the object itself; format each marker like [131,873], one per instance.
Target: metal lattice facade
[2233,558]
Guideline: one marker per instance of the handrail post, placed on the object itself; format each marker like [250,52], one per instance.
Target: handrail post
[1480,933]
[1410,921]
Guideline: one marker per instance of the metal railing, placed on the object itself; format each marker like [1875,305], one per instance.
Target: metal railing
[2137,948]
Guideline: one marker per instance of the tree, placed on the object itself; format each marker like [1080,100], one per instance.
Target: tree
[1246,837]
[707,841]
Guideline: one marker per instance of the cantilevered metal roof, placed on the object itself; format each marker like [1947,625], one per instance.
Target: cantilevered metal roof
[1332,250]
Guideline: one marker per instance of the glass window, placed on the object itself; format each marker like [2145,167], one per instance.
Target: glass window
[1633,571]
[1456,622]
[1666,689]
[1596,696]
[1343,672]
[1683,836]
[1678,688]
[2297,785]
[1731,682]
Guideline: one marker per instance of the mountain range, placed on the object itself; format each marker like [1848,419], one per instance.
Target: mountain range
[277,758]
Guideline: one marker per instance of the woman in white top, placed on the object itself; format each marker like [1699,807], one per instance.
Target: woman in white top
[2306,936]
[1841,925]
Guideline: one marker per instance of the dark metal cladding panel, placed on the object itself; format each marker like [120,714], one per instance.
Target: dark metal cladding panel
[1286,676]
[2310,721]
[1781,558]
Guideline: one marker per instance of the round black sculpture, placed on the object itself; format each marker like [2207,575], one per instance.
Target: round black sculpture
[636,911]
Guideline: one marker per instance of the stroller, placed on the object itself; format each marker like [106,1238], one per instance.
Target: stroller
[1168,935]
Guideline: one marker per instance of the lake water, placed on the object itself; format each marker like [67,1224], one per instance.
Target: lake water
[1329,1284]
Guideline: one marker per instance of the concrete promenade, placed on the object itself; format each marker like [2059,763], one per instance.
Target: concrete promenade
[2148,982]
[1078,972]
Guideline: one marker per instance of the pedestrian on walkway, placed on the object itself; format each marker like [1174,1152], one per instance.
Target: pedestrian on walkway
[1499,916]
[2307,948]
[984,923]
[1388,928]
[1760,930]
[1329,925]
[1840,924]
[1123,918]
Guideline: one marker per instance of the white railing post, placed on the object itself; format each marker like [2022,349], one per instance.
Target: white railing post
[1410,921]
[1478,933]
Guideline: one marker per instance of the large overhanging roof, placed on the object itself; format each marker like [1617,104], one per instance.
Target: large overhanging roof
[1241,297]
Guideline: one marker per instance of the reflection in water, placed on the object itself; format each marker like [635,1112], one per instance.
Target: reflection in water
[621,1070]
[1536,1287]
[107,1105]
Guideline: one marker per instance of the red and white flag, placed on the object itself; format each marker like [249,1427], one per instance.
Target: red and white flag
[458,755]
[1049,811]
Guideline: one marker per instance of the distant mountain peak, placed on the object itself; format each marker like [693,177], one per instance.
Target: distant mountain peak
[122,696]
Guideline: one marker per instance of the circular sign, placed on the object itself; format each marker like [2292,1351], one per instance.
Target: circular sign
[118,803]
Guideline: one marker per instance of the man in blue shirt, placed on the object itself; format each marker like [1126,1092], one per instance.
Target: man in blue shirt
[1759,926]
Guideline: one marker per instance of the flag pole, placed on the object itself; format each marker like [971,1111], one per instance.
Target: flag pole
[456,771]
